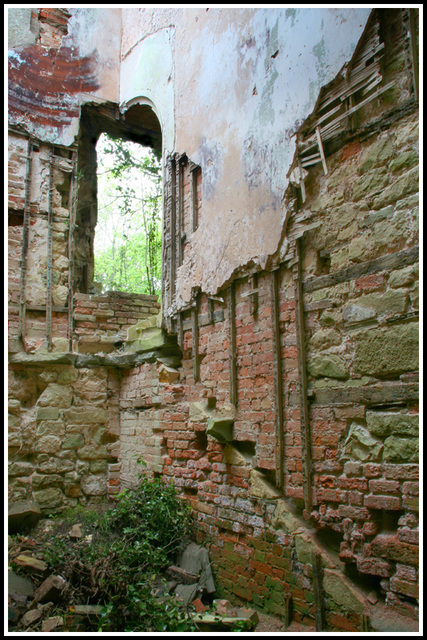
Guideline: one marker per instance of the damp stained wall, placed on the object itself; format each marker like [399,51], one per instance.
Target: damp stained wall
[243,82]
[49,78]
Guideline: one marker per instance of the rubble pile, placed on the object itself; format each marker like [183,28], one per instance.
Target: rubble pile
[42,601]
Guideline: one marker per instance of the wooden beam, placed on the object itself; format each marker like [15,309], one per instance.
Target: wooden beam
[49,257]
[25,236]
[172,228]
[319,607]
[414,52]
[302,374]
[73,212]
[232,348]
[277,374]
[195,338]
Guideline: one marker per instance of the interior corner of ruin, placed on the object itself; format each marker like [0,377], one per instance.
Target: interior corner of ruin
[273,375]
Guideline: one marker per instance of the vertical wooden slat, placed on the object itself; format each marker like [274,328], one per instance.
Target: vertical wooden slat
[322,153]
[277,374]
[180,331]
[25,234]
[172,229]
[193,196]
[211,306]
[180,207]
[49,256]
[232,349]
[302,374]
[195,338]
[254,296]
[73,211]
[319,612]
[414,53]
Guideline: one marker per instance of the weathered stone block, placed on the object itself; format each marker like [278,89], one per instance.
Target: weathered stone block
[390,302]
[49,498]
[328,366]
[56,395]
[48,444]
[47,413]
[385,352]
[22,515]
[325,338]
[92,452]
[42,481]
[357,313]
[54,465]
[74,441]
[85,415]
[404,160]
[402,277]
[400,187]
[94,485]
[377,154]
[50,428]
[20,469]
[371,183]
[401,449]
[385,424]
[68,376]
[360,445]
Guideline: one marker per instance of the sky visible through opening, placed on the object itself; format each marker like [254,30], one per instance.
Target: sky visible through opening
[128,239]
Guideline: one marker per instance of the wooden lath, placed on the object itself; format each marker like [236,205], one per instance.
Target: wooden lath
[360,84]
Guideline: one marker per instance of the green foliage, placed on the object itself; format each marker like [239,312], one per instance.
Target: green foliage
[128,240]
[120,553]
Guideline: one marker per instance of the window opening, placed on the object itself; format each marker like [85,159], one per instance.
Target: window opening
[128,233]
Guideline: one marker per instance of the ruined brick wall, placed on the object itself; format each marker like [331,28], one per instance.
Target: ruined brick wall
[101,321]
[315,365]
[289,419]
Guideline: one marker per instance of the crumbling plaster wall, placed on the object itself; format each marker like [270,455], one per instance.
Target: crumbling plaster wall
[243,81]
[58,59]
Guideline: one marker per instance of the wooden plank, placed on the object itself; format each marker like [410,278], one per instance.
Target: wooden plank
[25,239]
[193,196]
[49,257]
[322,154]
[303,386]
[373,395]
[181,331]
[414,52]
[277,375]
[180,205]
[400,259]
[172,227]
[319,607]
[232,348]
[211,308]
[302,185]
[73,212]
[195,340]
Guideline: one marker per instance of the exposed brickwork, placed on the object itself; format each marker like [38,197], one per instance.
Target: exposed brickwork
[336,471]
[100,318]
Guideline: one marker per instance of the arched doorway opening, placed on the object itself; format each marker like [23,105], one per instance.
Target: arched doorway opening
[138,125]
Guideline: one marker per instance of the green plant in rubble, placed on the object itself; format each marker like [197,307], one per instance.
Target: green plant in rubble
[143,611]
[128,544]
